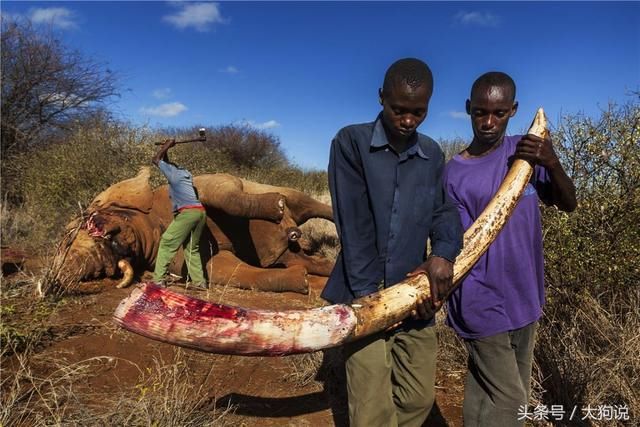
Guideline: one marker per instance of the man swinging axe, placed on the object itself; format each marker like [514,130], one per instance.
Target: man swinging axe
[189,218]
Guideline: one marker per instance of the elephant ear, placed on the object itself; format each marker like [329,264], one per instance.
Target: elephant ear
[132,193]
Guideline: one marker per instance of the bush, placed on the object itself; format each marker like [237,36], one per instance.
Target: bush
[452,147]
[588,348]
[58,181]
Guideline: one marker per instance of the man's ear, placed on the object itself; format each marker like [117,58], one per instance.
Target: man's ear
[380,97]
[467,106]
[514,109]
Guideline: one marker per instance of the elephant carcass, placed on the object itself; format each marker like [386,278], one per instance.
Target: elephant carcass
[181,320]
[250,226]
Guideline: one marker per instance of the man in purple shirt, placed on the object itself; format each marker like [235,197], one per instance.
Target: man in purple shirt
[497,307]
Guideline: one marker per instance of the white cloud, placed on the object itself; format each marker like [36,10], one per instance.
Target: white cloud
[483,19]
[201,16]
[62,100]
[269,124]
[162,93]
[58,17]
[229,70]
[170,109]
[458,115]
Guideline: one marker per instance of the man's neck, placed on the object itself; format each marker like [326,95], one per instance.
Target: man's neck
[478,149]
[400,146]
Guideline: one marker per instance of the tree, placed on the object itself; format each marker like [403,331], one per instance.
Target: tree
[45,86]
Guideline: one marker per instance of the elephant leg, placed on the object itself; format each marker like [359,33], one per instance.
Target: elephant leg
[303,208]
[229,197]
[226,269]
[314,264]
[317,283]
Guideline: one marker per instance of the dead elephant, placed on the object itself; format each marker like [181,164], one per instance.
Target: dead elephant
[250,227]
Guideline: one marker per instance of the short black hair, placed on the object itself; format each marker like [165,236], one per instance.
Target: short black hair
[495,78]
[410,71]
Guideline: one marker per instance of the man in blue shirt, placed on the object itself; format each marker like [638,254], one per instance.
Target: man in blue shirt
[386,186]
[187,225]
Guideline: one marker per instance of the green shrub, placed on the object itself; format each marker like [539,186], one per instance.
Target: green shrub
[56,182]
[588,347]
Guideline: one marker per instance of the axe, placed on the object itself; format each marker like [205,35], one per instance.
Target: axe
[201,137]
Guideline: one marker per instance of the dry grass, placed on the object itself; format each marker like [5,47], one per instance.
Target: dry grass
[303,368]
[166,394]
[31,398]
[15,224]
[587,354]
[54,281]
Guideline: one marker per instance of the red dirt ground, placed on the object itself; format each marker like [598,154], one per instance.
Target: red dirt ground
[264,391]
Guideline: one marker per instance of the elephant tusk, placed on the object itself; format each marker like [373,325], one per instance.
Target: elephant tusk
[127,272]
[173,318]
[222,329]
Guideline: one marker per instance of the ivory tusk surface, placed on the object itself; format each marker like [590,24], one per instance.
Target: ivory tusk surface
[178,319]
[127,272]
[166,316]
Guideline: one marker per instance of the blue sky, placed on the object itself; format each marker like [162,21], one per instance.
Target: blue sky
[303,70]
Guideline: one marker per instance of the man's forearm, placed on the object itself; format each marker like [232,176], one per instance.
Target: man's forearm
[563,192]
[162,153]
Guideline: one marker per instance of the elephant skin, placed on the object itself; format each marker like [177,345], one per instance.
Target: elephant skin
[251,240]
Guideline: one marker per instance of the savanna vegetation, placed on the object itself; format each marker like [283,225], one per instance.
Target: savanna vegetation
[61,146]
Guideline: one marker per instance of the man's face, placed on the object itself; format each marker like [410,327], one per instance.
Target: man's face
[404,109]
[490,109]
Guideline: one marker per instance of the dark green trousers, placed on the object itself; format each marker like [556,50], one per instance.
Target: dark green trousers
[498,382]
[184,230]
[391,377]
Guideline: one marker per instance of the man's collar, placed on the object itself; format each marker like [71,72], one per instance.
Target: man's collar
[379,140]
[379,137]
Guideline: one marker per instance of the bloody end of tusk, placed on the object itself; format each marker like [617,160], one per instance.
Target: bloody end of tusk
[174,318]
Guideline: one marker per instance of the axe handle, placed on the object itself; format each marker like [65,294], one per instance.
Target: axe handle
[201,138]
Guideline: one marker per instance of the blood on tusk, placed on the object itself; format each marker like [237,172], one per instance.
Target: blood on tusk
[167,316]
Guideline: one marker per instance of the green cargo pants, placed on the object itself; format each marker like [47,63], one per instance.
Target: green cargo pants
[391,377]
[184,230]
[498,382]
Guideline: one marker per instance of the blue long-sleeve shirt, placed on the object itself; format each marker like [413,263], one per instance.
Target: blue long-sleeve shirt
[386,205]
[181,189]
